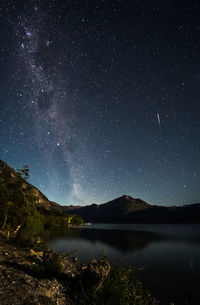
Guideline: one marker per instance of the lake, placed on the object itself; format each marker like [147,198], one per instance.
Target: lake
[169,254]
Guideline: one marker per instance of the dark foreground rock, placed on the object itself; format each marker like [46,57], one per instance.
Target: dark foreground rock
[21,283]
[18,287]
[44,277]
[95,274]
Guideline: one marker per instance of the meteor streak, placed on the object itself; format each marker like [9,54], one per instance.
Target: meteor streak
[158,117]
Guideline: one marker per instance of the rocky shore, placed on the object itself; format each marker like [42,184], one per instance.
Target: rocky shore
[32,277]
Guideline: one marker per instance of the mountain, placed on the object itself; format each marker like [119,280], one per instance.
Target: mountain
[113,211]
[126,209]
[12,183]
[14,190]
[163,214]
[116,210]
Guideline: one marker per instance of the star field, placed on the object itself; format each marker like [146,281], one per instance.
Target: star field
[101,98]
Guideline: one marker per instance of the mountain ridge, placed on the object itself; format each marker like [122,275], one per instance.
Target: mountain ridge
[124,209]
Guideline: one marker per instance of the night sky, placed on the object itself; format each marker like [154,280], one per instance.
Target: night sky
[102,98]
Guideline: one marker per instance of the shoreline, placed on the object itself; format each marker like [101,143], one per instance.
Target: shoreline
[33,277]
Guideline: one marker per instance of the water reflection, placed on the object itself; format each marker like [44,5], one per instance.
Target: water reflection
[170,254]
[126,241]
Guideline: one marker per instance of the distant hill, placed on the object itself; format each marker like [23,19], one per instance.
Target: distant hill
[126,209]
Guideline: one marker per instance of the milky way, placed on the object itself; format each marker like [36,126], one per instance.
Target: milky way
[102,99]
[47,100]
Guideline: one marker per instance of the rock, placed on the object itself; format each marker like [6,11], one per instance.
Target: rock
[17,288]
[75,259]
[83,267]
[96,273]
[37,254]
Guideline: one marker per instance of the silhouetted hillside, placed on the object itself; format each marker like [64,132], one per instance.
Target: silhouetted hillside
[25,213]
[112,211]
[12,182]
[126,209]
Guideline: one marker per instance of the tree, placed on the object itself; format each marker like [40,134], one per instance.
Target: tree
[16,205]
[24,171]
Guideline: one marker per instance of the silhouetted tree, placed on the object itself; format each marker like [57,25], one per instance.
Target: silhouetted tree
[24,171]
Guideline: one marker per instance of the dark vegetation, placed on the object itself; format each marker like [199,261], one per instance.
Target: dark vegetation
[25,213]
[120,287]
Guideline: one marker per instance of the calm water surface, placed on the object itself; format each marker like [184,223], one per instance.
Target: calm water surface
[170,254]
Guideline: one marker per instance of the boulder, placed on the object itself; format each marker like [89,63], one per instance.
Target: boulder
[37,254]
[95,274]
